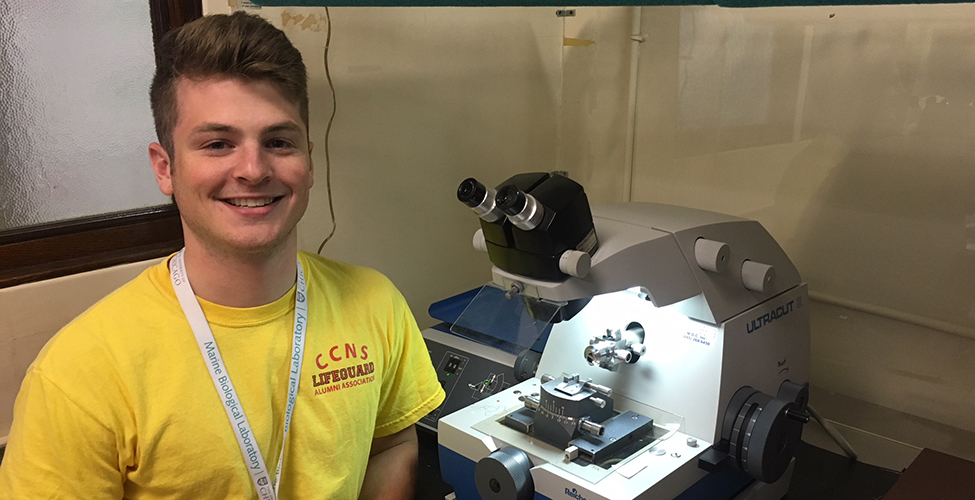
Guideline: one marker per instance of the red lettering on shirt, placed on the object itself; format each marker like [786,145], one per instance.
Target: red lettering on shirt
[318,361]
[344,378]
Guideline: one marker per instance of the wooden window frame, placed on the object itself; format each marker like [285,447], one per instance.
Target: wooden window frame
[60,248]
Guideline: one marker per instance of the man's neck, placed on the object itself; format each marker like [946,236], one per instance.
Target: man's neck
[241,281]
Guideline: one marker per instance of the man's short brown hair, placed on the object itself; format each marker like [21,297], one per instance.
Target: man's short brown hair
[239,45]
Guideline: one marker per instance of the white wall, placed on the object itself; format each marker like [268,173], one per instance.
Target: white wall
[595,61]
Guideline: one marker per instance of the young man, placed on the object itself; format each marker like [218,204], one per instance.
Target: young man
[239,367]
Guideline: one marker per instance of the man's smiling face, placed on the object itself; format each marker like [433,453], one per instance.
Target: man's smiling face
[241,170]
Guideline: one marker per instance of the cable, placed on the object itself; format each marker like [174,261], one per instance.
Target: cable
[328,130]
[833,432]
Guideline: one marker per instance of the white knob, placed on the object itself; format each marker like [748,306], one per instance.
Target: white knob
[480,244]
[575,263]
[757,277]
[571,453]
[639,349]
[712,255]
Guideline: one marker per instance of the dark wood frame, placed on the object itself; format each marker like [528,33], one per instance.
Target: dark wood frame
[66,247]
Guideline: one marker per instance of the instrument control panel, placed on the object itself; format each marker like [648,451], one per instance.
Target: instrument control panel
[465,372]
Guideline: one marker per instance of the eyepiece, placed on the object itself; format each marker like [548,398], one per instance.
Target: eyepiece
[470,192]
[521,208]
[511,200]
[480,198]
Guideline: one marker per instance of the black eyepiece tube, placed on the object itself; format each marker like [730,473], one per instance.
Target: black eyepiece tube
[480,199]
[471,193]
[511,200]
[521,208]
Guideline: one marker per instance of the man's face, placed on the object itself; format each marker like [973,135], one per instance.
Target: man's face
[241,170]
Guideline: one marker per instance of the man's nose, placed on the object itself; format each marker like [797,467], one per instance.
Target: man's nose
[254,166]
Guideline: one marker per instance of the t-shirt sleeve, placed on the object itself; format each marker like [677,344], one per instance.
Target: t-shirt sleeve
[410,388]
[56,449]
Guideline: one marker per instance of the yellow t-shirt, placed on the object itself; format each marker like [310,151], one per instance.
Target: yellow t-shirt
[120,403]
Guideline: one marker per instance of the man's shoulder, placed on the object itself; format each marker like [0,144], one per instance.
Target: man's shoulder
[353,288]
[344,276]
[116,319]
[129,302]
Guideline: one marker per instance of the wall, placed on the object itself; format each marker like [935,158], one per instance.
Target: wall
[848,132]
[595,64]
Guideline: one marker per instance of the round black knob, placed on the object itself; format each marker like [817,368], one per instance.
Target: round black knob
[764,431]
[505,475]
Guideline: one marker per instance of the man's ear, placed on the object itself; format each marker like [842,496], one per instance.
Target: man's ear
[162,166]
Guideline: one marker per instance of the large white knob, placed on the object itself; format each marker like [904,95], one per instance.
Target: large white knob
[712,255]
[480,244]
[757,277]
[575,263]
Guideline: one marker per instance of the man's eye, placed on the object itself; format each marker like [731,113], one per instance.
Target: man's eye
[278,144]
[217,145]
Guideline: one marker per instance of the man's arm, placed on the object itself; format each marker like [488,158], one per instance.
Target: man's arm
[391,473]
[57,449]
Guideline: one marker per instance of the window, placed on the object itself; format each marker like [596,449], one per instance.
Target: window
[37,242]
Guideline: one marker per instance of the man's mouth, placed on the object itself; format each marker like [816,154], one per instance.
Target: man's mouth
[251,202]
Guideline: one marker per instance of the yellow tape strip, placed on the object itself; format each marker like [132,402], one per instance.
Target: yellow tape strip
[577,42]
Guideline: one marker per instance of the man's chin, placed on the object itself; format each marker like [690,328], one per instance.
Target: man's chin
[244,242]
[262,247]
[253,247]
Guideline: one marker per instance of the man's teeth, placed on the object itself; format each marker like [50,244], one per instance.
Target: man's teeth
[250,202]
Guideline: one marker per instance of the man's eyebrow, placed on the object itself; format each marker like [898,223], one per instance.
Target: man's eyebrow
[213,127]
[288,126]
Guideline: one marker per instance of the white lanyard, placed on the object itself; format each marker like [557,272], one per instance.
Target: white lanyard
[221,378]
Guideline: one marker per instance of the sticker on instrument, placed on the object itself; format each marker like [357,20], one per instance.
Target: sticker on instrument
[700,334]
